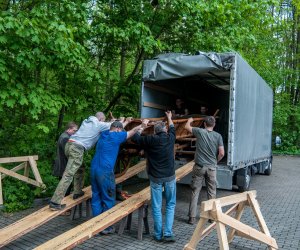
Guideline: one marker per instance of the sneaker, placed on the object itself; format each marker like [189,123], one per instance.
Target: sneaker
[192,220]
[107,231]
[169,239]
[56,207]
[76,196]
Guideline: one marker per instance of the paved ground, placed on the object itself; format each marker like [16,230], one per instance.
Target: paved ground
[278,196]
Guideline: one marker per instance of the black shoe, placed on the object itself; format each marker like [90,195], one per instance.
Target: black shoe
[210,221]
[169,239]
[192,220]
[76,196]
[107,231]
[56,207]
[157,240]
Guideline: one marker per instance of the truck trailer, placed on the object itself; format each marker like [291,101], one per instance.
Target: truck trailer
[226,83]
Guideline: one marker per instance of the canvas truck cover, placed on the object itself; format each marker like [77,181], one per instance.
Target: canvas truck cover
[250,104]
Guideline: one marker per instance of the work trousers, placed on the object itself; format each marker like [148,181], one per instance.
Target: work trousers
[103,191]
[205,173]
[74,169]
[156,205]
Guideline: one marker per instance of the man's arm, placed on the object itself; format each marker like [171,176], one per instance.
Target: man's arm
[127,120]
[188,126]
[221,153]
[138,129]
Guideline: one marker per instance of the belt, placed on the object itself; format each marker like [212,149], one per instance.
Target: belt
[200,166]
[76,144]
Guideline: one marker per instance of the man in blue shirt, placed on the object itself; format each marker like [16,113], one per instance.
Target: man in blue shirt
[102,168]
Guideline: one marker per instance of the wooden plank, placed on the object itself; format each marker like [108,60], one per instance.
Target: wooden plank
[257,212]
[237,216]
[221,230]
[245,229]
[154,105]
[17,159]
[35,170]
[86,230]
[26,169]
[40,217]
[196,235]
[225,201]
[160,88]
[15,169]
[20,177]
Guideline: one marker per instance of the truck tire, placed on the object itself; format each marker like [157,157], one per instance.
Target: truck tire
[246,185]
[268,170]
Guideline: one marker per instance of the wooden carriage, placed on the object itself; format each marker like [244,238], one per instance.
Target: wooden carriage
[184,145]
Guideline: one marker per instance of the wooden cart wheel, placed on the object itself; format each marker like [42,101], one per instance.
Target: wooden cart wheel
[122,164]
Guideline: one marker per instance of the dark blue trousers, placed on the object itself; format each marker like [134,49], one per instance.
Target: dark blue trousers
[103,191]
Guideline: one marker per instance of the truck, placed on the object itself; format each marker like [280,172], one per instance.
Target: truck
[223,82]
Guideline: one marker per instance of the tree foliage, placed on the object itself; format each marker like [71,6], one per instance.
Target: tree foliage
[65,60]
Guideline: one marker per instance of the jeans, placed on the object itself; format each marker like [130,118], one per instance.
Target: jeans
[103,191]
[209,175]
[156,199]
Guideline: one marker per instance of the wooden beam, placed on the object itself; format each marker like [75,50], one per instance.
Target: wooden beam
[40,217]
[15,169]
[35,170]
[221,230]
[17,159]
[225,201]
[237,216]
[20,177]
[160,88]
[79,234]
[154,105]
[260,219]
[245,229]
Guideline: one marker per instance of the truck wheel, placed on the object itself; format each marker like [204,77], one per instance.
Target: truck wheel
[246,184]
[268,170]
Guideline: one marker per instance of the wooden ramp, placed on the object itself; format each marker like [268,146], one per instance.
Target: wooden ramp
[95,225]
[40,217]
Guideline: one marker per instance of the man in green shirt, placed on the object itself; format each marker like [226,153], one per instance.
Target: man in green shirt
[209,151]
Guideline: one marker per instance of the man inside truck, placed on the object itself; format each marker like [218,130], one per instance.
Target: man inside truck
[209,151]
[180,109]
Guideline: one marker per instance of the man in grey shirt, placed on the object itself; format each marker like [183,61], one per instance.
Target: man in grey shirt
[209,151]
[84,139]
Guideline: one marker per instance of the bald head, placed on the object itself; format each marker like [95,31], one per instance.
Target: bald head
[100,116]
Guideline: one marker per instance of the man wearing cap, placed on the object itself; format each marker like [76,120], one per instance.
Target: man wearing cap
[161,172]
[102,168]
[209,151]
[84,139]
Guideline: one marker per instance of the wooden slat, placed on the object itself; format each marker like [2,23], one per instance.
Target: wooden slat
[86,230]
[228,200]
[40,217]
[35,170]
[222,236]
[20,177]
[15,169]
[237,216]
[154,105]
[17,159]
[247,230]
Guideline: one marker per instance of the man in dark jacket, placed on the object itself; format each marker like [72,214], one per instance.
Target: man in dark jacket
[159,149]
[61,158]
